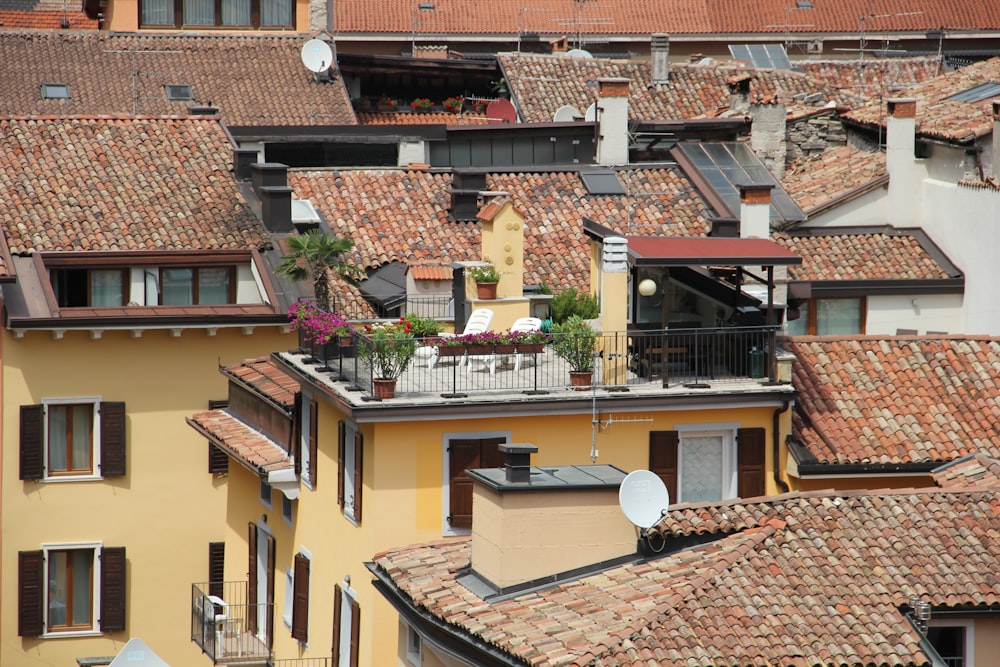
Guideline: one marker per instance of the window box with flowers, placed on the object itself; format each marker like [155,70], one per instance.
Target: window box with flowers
[387,348]
[362,104]
[318,329]
[421,104]
[479,106]
[386,103]
[453,104]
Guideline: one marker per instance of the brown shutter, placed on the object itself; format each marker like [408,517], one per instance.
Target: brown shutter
[663,459]
[112,589]
[359,447]
[32,441]
[462,455]
[30,584]
[270,590]
[216,568]
[295,437]
[218,460]
[750,448]
[355,632]
[489,453]
[300,599]
[313,440]
[252,578]
[337,601]
[341,455]
[112,439]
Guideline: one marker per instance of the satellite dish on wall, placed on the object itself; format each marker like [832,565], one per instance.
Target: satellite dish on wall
[643,498]
[317,55]
[591,113]
[565,114]
[500,111]
[579,53]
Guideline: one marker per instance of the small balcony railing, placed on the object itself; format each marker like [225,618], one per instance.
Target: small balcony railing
[661,358]
[301,662]
[225,627]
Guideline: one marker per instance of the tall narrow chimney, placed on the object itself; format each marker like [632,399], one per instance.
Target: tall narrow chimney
[905,189]
[659,48]
[996,140]
[755,211]
[612,121]
[767,136]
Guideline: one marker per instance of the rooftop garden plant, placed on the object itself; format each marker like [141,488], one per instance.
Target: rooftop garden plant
[574,341]
[453,104]
[423,327]
[389,348]
[485,274]
[421,104]
[317,326]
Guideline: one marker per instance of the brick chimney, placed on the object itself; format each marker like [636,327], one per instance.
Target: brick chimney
[901,163]
[996,140]
[659,48]
[755,211]
[531,525]
[767,136]
[612,121]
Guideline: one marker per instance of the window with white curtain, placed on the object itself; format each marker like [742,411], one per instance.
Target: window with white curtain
[157,12]
[275,13]
[199,12]
[243,13]
[236,12]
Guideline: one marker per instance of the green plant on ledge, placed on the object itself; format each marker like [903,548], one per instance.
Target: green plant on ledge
[574,341]
[484,274]
[389,348]
[421,104]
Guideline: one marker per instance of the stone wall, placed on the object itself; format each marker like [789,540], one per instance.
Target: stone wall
[814,134]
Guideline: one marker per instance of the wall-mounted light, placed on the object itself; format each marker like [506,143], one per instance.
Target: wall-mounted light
[647,287]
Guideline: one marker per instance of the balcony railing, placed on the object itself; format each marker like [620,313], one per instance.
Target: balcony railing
[225,627]
[301,662]
[662,358]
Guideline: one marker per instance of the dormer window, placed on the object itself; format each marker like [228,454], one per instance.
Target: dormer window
[81,288]
[177,92]
[197,286]
[55,91]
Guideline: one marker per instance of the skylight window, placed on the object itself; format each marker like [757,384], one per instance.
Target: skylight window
[179,92]
[803,4]
[602,182]
[983,91]
[55,91]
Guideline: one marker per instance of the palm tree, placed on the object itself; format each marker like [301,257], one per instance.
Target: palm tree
[311,255]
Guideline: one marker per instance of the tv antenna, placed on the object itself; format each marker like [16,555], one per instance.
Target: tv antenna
[136,73]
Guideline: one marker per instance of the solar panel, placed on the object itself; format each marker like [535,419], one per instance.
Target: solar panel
[602,182]
[983,91]
[761,55]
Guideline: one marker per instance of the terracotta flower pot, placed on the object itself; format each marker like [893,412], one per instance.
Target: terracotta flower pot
[384,388]
[580,380]
[486,290]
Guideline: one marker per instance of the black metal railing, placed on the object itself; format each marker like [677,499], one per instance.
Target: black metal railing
[225,626]
[301,662]
[667,358]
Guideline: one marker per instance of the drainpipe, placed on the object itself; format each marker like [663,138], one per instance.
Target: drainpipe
[782,484]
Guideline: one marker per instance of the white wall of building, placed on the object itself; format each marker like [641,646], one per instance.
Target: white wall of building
[922,312]
[869,209]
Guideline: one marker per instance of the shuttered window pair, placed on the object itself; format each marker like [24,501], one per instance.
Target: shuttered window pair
[346,628]
[468,454]
[57,440]
[350,449]
[668,461]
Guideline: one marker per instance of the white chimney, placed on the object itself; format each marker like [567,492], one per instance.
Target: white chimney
[755,211]
[767,136]
[996,140]
[904,173]
[612,121]
[659,49]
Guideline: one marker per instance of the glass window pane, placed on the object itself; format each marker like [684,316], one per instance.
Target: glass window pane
[701,468]
[82,420]
[199,12]
[157,12]
[57,588]
[58,423]
[276,12]
[106,288]
[213,285]
[235,12]
[838,316]
[800,326]
[177,287]
[82,577]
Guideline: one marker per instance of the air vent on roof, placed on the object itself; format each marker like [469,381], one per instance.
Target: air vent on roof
[179,92]
[601,182]
[983,91]
[55,91]
[761,55]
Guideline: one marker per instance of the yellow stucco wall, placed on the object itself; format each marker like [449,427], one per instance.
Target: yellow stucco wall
[164,511]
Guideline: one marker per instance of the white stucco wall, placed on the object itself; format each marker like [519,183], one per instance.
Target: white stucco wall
[923,312]
[870,209]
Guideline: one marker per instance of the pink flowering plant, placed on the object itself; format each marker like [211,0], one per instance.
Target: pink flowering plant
[318,326]
[495,338]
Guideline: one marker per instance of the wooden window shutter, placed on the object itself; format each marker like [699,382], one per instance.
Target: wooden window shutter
[112,589]
[750,453]
[341,455]
[300,599]
[337,601]
[355,632]
[30,584]
[32,441]
[216,568]
[462,455]
[112,439]
[663,459]
[313,440]
[359,447]
[296,434]
[218,460]
[270,590]
[252,578]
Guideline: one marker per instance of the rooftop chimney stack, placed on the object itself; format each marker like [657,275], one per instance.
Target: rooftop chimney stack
[660,54]
[996,140]
[517,462]
[900,161]
[270,183]
[739,93]
[612,121]
[767,136]
[755,211]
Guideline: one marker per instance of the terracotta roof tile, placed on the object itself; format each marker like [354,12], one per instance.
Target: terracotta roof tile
[938,116]
[977,470]
[241,441]
[817,180]
[99,70]
[263,376]
[860,80]
[430,272]
[121,184]
[770,591]
[897,399]
[407,118]
[46,19]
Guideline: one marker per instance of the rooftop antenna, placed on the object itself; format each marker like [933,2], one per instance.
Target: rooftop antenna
[577,22]
[136,73]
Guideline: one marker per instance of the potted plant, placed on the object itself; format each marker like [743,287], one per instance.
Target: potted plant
[479,106]
[486,278]
[421,104]
[319,327]
[388,349]
[387,103]
[423,328]
[362,104]
[453,104]
[574,341]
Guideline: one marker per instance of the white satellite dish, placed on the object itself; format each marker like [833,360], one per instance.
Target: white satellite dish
[317,55]
[591,113]
[579,53]
[643,498]
[565,114]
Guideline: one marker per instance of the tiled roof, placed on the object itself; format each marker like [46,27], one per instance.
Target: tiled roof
[771,591]
[241,441]
[397,215]
[868,254]
[430,272]
[405,118]
[976,469]
[816,180]
[51,19]
[263,376]
[541,84]
[643,17]
[121,184]
[236,73]
[893,400]
[937,116]
[861,80]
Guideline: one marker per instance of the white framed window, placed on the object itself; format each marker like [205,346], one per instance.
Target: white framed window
[346,646]
[305,438]
[414,647]
[706,462]
[461,452]
[350,464]
[286,509]
[72,428]
[265,494]
[953,640]
[286,613]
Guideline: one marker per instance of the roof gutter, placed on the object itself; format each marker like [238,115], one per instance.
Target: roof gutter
[776,440]
[808,465]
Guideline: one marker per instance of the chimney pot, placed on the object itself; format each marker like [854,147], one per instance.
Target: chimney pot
[517,461]
[660,55]
[266,174]
[756,193]
[242,159]
[996,110]
[276,207]
[902,107]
